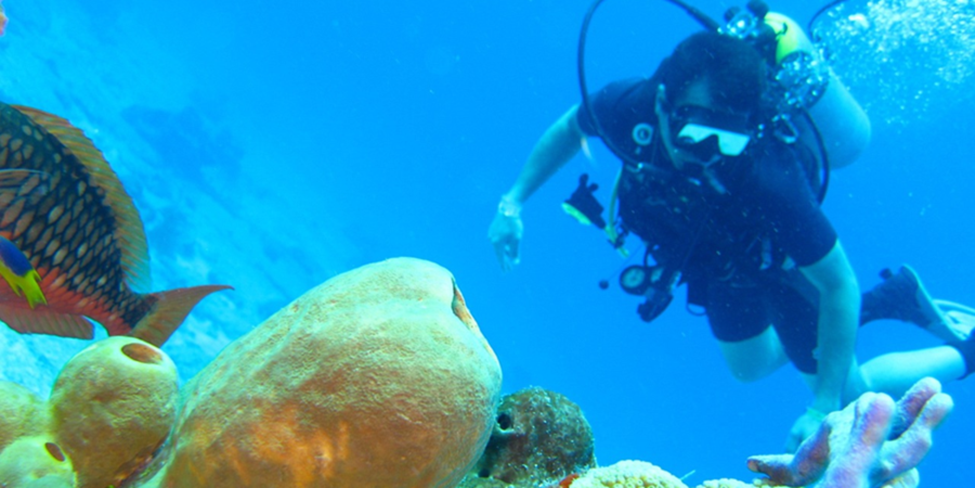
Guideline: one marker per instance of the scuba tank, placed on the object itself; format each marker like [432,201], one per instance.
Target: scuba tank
[806,83]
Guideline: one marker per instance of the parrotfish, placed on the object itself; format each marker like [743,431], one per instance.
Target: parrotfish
[72,244]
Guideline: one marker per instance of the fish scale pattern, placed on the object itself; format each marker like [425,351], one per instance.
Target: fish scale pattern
[64,223]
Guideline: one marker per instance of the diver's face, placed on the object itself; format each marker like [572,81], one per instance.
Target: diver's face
[695,95]
[695,130]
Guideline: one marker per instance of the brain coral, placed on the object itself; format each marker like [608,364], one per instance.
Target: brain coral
[628,474]
[726,483]
[377,378]
[732,483]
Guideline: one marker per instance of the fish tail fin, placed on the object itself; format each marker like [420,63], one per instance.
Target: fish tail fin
[168,312]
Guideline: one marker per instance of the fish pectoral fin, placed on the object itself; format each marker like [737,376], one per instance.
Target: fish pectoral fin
[169,311]
[46,321]
[17,271]
[26,286]
[32,290]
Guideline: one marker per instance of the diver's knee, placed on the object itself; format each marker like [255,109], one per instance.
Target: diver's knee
[753,359]
[747,377]
[750,373]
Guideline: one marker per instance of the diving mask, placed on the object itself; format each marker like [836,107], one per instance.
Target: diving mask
[705,133]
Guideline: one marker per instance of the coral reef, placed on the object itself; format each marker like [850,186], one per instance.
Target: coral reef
[873,442]
[378,377]
[111,407]
[540,437]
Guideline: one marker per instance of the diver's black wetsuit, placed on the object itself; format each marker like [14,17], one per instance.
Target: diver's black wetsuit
[746,228]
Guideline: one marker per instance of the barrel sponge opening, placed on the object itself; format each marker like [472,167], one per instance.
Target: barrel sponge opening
[143,353]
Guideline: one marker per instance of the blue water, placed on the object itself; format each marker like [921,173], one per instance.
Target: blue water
[272,145]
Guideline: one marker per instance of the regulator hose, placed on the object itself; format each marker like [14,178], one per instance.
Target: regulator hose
[702,18]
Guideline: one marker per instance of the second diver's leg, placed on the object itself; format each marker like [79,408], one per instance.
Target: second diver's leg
[754,358]
[739,320]
[902,296]
[895,373]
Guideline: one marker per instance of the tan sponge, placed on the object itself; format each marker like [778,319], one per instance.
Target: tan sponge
[111,407]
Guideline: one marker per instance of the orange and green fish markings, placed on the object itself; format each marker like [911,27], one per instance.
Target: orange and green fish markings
[19,274]
[69,214]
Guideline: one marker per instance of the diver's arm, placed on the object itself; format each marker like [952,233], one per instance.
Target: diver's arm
[555,148]
[839,308]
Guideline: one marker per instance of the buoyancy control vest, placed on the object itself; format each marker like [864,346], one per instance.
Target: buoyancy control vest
[697,234]
[816,118]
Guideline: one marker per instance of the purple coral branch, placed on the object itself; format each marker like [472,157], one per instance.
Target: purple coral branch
[868,444]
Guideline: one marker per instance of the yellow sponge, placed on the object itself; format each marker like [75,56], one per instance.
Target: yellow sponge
[112,406]
[35,461]
[21,413]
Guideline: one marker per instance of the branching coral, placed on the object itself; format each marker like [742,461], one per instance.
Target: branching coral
[873,442]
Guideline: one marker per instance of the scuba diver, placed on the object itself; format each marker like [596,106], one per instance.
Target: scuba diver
[726,152]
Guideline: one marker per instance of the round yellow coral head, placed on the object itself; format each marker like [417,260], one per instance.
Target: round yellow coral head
[628,474]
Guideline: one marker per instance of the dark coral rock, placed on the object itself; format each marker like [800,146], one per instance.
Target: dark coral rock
[540,437]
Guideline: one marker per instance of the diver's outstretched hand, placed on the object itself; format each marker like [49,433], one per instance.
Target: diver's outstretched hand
[803,428]
[505,234]
[873,442]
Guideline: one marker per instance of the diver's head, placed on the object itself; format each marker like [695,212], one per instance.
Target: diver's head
[710,98]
